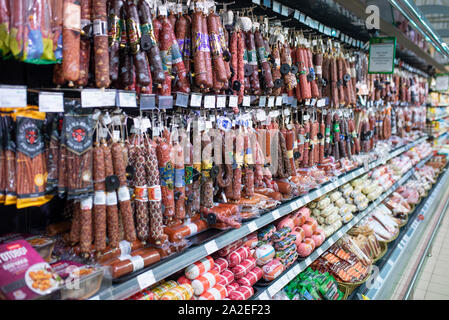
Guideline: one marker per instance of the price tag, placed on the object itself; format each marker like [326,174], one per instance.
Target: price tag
[294,205]
[306,199]
[284,98]
[279,101]
[308,261]
[252,226]
[182,99]
[211,247]
[209,102]
[195,100]
[274,288]
[147,101]
[264,296]
[296,269]
[284,10]
[261,115]
[294,102]
[116,135]
[146,279]
[246,101]
[165,102]
[270,102]
[233,101]
[91,98]
[221,102]
[13,96]
[276,7]
[51,101]
[262,101]
[321,103]
[126,99]
[276,214]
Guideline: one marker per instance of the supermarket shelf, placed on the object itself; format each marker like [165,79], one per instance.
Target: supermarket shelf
[299,267]
[438,118]
[399,246]
[163,270]
[439,135]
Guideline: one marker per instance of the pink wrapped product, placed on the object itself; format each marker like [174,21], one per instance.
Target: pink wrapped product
[229,248]
[218,292]
[231,287]
[243,268]
[220,264]
[226,277]
[200,267]
[205,282]
[251,277]
[272,270]
[242,293]
[238,255]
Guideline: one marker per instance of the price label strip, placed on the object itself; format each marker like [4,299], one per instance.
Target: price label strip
[51,101]
[13,96]
[211,247]
[146,279]
[92,98]
[126,99]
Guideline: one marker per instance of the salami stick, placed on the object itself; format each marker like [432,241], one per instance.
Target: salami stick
[71,40]
[75,229]
[141,195]
[240,64]
[313,137]
[180,186]
[262,57]
[207,187]
[336,131]
[289,139]
[276,70]
[151,33]
[198,52]
[166,42]
[114,33]
[196,185]
[99,209]
[123,192]
[154,195]
[219,68]
[305,158]
[84,43]
[164,152]
[302,67]
[300,132]
[187,48]
[249,163]
[86,225]
[322,139]
[99,15]
[182,84]
[125,59]
[313,85]
[237,174]
[111,202]
[252,62]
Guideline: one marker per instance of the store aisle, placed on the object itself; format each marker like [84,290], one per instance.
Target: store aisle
[433,283]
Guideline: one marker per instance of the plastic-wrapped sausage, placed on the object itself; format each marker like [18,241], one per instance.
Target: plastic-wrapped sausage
[197,50]
[154,194]
[261,54]
[141,195]
[196,185]
[215,48]
[71,40]
[166,42]
[85,43]
[124,248]
[205,47]
[207,190]
[125,59]
[101,43]
[186,230]
[252,62]
[149,33]
[114,33]
[137,260]
[86,224]
[111,201]
[164,152]
[180,209]
[322,139]
[289,139]
[305,158]
[99,209]
[312,76]
[237,173]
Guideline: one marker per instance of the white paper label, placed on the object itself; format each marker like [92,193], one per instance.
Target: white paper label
[271,102]
[126,99]
[123,193]
[146,279]
[246,101]
[13,97]
[221,102]
[233,101]
[86,204]
[111,198]
[275,214]
[279,101]
[211,247]
[195,100]
[137,262]
[91,98]
[209,102]
[100,198]
[252,226]
[51,101]
[125,247]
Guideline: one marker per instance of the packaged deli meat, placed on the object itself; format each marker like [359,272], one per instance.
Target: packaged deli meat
[243,268]
[205,281]
[198,268]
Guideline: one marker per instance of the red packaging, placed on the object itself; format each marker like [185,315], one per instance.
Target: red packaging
[226,277]
[220,265]
[205,282]
[238,255]
[218,292]
[229,248]
[242,293]
[184,279]
[231,287]
[243,268]
[198,268]
[251,277]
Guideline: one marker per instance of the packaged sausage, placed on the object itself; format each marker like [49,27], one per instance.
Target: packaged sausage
[231,287]
[181,292]
[198,268]
[272,270]
[289,261]
[226,277]
[183,279]
[137,260]
[218,292]
[264,254]
[186,230]
[205,281]
[163,288]
[306,247]
[238,255]
[281,234]
[220,264]
[266,233]
[242,293]
[340,202]
[335,196]
[251,240]
[229,248]
[243,268]
[286,242]
[124,248]
[328,210]
[323,203]
[282,254]
[251,277]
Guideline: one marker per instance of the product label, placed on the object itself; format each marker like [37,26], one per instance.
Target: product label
[147,29]
[252,57]
[111,198]
[115,30]
[261,54]
[86,204]
[100,198]
[134,35]
[141,193]
[215,47]
[137,262]
[188,175]
[166,58]
[78,133]
[100,28]
[179,178]
[72,16]
[123,193]
[29,136]
[154,193]
[176,53]
[201,42]
[166,175]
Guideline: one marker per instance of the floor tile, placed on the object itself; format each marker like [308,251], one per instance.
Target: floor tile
[434,278]
[435,296]
[442,270]
[419,294]
[438,288]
